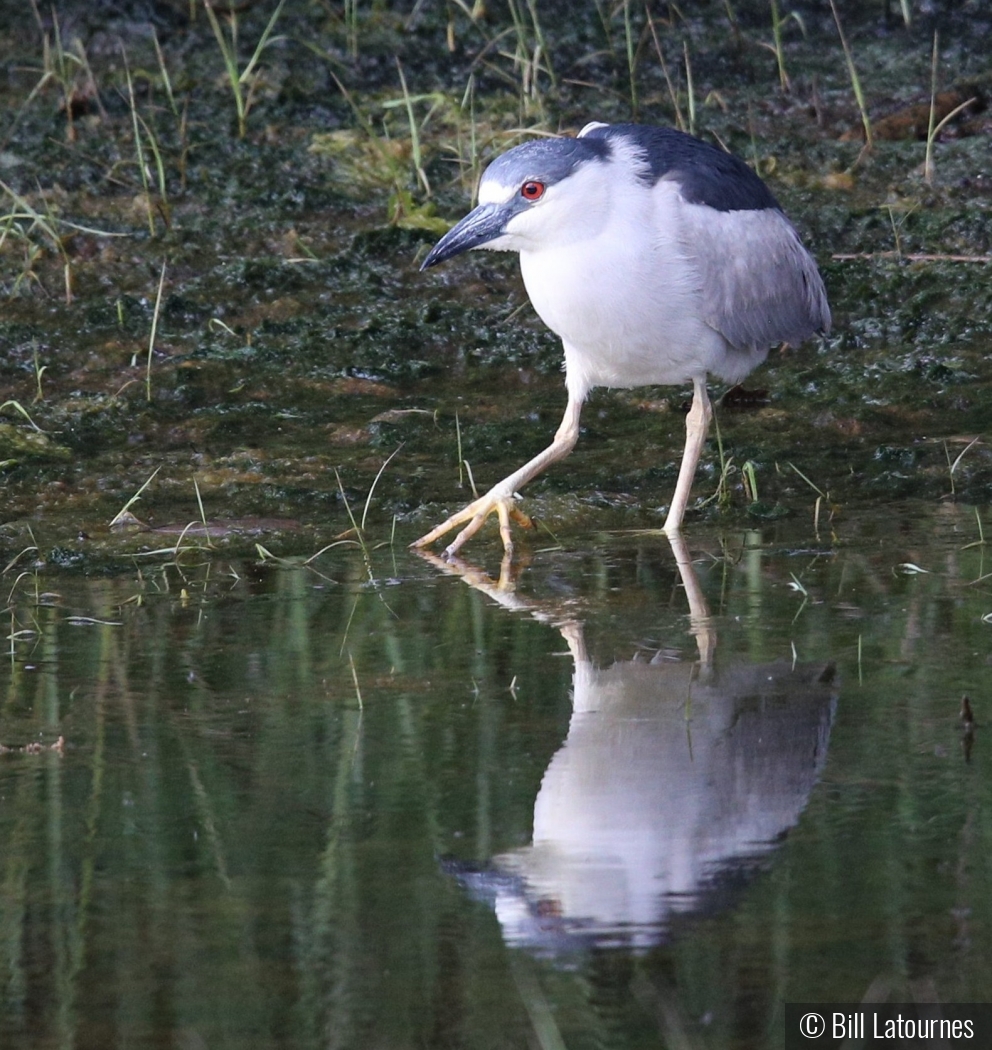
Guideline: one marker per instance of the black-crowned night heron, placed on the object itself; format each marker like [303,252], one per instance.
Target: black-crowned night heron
[657,258]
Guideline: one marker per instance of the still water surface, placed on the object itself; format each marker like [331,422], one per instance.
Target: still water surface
[388,804]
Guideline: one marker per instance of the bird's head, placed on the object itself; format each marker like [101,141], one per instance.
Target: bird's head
[546,192]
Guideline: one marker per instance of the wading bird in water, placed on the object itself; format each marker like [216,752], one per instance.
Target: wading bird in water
[657,258]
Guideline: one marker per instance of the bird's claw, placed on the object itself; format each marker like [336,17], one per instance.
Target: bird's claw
[475,514]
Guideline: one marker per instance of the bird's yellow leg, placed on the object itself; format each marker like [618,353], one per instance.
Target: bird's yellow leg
[500,498]
[697,423]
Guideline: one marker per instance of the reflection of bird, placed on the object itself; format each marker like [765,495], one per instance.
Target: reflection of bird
[670,784]
[657,258]
[676,776]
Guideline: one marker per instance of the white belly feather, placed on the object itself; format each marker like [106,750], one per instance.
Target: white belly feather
[626,299]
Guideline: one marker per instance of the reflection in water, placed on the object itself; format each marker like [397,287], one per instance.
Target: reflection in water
[667,786]
[675,779]
[238,847]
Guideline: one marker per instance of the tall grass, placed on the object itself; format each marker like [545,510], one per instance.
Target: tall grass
[243,82]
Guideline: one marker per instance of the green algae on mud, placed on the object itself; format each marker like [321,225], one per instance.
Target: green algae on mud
[297,338]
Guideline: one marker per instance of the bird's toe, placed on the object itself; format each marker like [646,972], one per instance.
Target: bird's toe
[475,515]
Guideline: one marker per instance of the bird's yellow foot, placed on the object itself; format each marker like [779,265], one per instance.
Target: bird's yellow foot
[475,514]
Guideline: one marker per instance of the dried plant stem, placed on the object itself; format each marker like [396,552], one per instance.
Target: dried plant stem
[151,338]
[855,79]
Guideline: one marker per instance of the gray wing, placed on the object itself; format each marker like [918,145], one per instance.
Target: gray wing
[759,285]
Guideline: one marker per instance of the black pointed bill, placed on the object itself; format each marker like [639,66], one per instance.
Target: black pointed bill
[479,227]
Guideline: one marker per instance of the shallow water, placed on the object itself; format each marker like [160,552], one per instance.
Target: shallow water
[385,804]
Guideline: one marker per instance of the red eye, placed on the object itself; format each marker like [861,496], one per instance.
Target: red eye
[532,191]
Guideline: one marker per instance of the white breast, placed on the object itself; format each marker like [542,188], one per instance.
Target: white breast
[622,293]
